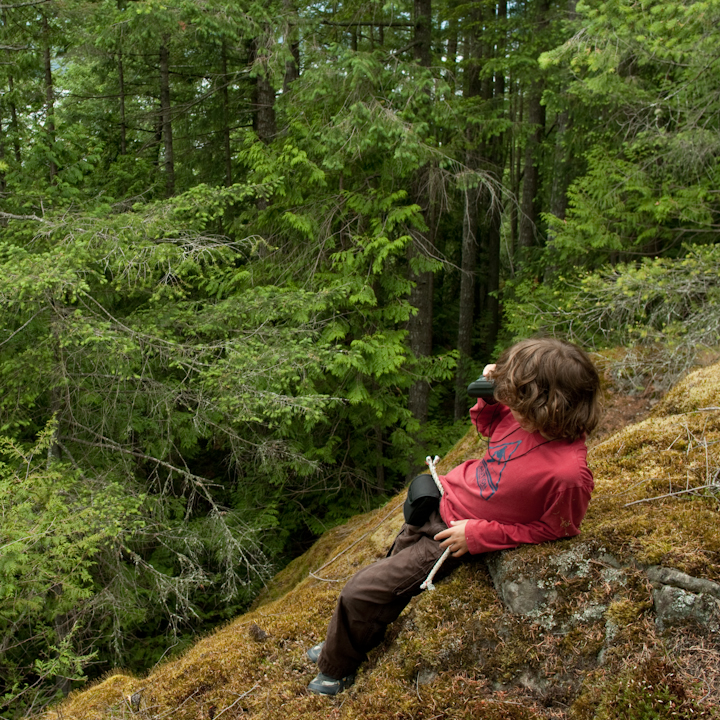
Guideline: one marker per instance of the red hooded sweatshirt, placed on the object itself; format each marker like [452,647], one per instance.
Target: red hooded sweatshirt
[526,489]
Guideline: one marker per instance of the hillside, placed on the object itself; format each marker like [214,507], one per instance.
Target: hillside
[621,622]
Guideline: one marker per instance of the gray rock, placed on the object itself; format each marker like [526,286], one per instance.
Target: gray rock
[671,576]
[524,596]
[520,594]
[590,612]
[675,606]
[608,559]
[574,562]
[426,676]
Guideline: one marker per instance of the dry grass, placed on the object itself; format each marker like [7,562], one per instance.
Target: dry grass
[458,652]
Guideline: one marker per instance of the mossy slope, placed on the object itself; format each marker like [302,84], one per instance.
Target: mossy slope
[584,640]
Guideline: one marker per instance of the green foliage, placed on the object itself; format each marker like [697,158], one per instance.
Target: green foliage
[56,525]
[652,68]
[215,379]
[630,205]
[235,360]
[666,310]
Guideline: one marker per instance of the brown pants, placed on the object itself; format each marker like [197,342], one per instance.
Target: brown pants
[377,594]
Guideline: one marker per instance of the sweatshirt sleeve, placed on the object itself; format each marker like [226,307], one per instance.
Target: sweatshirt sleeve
[485,416]
[561,519]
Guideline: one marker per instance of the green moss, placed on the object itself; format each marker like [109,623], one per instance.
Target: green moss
[649,691]
[625,611]
[583,641]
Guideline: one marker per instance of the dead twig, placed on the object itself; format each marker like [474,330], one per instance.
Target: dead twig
[633,486]
[673,494]
[245,694]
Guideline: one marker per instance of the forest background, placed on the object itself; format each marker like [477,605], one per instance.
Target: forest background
[252,253]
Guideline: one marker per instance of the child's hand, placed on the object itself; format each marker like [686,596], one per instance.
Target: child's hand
[454,538]
[488,371]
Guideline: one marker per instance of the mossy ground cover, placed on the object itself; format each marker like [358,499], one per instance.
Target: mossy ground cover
[591,651]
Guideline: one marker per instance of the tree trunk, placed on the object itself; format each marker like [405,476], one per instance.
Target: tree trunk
[421,296]
[561,162]
[480,280]
[491,246]
[166,113]
[226,118]
[498,156]
[123,124]
[502,24]
[474,87]
[466,315]
[292,64]
[561,174]
[264,122]
[14,127]
[49,98]
[529,206]
[473,53]
[14,123]
[423,32]
[531,171]
[487,15]
[451,55]
[516,118]
[420,333]
[292,67]
[3,184]
[158,138]
[468,262]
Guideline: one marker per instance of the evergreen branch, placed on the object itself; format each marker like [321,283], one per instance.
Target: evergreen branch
[106,443]
[153,339]
[197,481]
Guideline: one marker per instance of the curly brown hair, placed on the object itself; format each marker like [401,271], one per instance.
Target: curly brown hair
[553,384]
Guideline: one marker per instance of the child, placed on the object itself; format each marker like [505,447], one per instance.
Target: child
[532,485]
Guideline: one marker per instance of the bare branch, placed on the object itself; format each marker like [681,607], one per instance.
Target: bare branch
[22,327]
[713,486]
[352,23]
[12,216]
[32,3]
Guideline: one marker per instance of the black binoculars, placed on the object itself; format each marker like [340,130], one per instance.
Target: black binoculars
[481,388]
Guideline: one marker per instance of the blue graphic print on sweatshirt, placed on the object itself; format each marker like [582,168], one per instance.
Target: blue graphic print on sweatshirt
[498,454]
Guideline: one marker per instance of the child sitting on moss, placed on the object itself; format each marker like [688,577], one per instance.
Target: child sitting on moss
[532,485]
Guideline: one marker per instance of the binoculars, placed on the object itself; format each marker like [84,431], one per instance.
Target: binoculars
[481,388]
